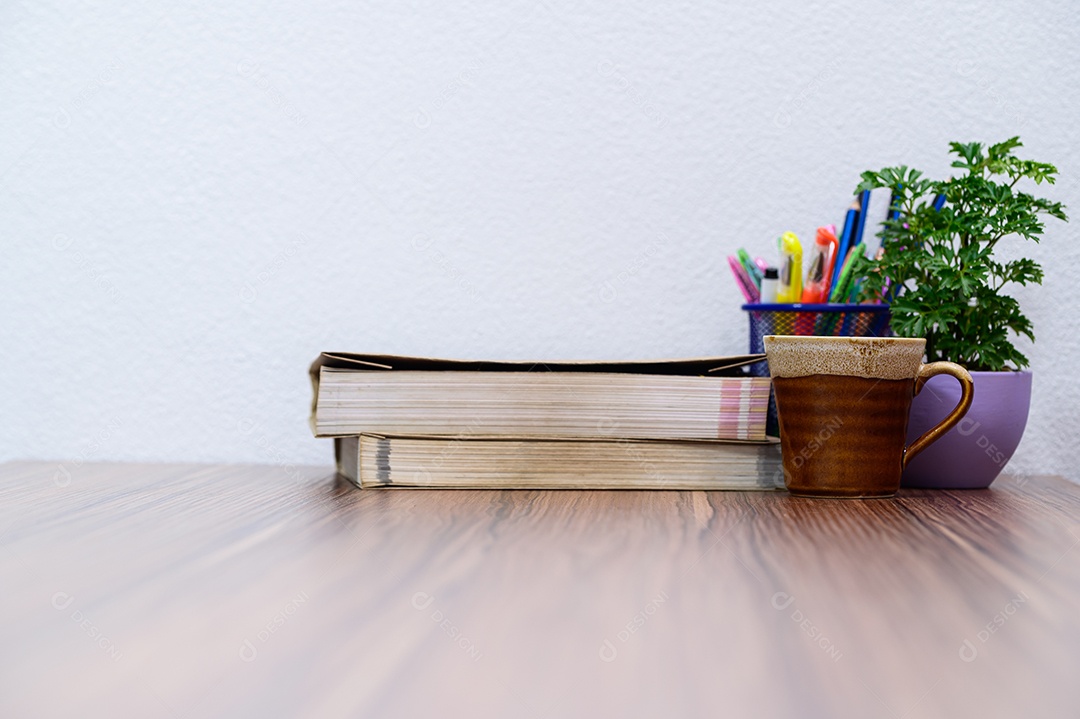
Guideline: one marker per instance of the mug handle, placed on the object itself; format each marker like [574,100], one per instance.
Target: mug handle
[967,388]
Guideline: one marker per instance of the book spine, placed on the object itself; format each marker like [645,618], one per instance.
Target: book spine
[744,408]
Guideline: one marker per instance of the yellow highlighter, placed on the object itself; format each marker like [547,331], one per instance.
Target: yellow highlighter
[790,287]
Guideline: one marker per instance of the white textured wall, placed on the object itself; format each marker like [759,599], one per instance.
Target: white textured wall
[196,201]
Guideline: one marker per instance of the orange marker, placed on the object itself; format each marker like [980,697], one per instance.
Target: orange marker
[820,269]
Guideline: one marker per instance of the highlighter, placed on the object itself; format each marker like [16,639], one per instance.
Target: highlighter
[790,288]
[820,267]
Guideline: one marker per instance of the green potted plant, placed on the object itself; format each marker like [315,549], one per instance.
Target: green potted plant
[939,271]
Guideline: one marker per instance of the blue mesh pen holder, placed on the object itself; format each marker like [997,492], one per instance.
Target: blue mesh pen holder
[823,320]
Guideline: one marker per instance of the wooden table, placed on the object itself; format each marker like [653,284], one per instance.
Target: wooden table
[191,591]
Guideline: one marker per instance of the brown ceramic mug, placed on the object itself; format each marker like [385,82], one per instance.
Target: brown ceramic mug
[842,405]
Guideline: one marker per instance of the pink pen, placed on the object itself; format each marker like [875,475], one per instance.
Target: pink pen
[750,292]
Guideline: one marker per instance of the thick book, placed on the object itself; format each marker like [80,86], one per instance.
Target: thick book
[709,398]
[566,463]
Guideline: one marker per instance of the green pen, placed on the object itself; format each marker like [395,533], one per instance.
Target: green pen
[750,266]
[841,290]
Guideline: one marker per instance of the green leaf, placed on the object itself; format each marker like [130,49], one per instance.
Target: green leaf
[952,288]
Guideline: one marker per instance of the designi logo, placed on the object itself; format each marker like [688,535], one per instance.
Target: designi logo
[62,600]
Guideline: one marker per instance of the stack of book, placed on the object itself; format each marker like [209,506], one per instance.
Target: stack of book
[423,422]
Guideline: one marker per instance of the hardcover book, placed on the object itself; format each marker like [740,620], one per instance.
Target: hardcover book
[566,463]
[706,398]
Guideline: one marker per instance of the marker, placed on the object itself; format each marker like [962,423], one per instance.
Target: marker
[790,288]
[820,267]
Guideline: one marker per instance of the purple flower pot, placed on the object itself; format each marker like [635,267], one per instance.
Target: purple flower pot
[974,452]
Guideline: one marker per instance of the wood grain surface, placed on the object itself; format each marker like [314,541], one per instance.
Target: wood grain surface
[212,591]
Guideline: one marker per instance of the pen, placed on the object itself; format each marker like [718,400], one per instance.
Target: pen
[894,206]
[850,219]
[752,270]
[860,220]
[841,288]
[743,280]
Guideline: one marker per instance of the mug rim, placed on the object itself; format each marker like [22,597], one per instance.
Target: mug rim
[793,356]
[832,338]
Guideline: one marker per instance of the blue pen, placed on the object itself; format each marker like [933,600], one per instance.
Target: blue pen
[860,225]
[894,206]
[845,241]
